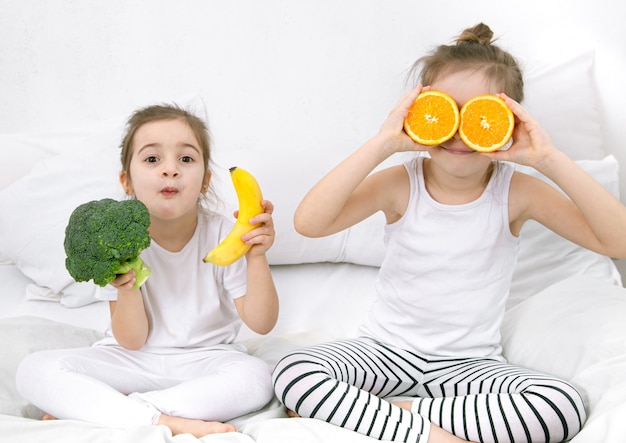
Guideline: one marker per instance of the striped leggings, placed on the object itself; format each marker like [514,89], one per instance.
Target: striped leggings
[481,400]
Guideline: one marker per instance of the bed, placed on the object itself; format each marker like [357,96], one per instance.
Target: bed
[565,313]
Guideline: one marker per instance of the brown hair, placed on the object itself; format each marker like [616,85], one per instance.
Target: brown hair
[166,112]
[473,49]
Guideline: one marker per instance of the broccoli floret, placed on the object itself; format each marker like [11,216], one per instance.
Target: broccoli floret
[103,238]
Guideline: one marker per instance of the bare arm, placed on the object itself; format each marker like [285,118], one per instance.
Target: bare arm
[258,309]
[348,193]
[592,217]
[129,321]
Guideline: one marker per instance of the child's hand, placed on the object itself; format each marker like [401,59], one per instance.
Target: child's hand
[531,143]
[262,237]
[393,127]
[124,282]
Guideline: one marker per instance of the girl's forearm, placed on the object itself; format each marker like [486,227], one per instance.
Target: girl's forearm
[605,214]
[129,322]
[259,307]
[316,214]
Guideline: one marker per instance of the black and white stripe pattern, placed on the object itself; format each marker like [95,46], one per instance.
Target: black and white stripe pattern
[345,383]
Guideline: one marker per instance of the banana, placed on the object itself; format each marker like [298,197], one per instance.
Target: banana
[249,195]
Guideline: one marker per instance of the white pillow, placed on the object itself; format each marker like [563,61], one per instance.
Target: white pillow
[574,329]
[78,166]
[563,98]
[23,151]
[34,212]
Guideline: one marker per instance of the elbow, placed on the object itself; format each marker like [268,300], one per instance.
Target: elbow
[611,249]
[262,327]
[267,327]
[303,227]
[130,343]
[299,224]
[264,330]
[133,347]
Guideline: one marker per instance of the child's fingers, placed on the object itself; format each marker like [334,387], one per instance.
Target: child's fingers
[264,219]
[407,99]
[268,206]
[261,236]
[518,110]
[124,280]
[399,112]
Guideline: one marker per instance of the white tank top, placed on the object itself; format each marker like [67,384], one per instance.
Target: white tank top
[446,274]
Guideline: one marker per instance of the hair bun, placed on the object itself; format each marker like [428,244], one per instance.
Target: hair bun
[481,33]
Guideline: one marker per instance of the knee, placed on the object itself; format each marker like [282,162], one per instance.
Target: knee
[28,373]
[255,382]
[296,369]
[263,386]
[561,405]
[41,373]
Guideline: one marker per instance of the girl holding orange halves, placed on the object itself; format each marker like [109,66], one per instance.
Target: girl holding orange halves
[453,220]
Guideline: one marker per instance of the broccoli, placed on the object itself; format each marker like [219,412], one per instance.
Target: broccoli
[103,239]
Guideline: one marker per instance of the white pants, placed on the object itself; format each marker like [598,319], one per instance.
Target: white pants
[112,386]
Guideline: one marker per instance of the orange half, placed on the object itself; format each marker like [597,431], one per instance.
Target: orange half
[486,123]
[433,118]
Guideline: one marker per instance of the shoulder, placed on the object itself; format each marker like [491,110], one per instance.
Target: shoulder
[529,197]
[390,189]
[522,182]
[398,175]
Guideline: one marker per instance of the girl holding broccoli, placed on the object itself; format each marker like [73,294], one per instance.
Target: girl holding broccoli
[169,356]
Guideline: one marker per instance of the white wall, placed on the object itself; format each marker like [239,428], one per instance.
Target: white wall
[301,73]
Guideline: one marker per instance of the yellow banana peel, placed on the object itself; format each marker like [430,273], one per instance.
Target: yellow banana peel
[249,195]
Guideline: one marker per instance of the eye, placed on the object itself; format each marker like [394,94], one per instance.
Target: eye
[151,159]
[186,159]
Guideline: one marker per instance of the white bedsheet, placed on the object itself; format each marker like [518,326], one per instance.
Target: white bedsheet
[573,329]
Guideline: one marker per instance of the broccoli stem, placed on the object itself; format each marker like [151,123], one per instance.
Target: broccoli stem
[142,272]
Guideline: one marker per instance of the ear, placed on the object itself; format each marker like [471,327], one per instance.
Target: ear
[206,181]
[126,184]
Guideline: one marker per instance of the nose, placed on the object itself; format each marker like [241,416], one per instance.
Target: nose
[170,169]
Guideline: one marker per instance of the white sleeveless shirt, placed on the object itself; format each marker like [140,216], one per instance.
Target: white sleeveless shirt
[446,274]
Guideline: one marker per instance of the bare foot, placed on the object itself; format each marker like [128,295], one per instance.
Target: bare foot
[403,404]
[197,428]
[439,435]
[48,417]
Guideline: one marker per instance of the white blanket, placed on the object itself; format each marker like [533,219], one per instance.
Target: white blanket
[573,329]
